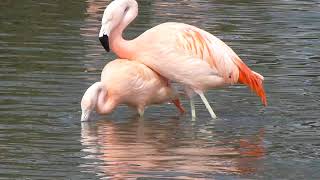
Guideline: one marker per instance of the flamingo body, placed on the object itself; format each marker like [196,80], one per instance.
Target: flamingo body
[193,57]
[127,82]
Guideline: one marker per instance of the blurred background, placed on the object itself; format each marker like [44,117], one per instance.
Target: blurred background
[50,54]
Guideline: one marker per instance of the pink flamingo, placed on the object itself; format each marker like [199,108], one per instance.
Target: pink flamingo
[127,82]
[179,52]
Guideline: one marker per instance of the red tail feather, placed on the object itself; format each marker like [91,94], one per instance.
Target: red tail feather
[252,79]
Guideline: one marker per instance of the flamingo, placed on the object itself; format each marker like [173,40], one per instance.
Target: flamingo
[127,82]
[179,52]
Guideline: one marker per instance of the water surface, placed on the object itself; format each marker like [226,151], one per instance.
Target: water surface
[50,54]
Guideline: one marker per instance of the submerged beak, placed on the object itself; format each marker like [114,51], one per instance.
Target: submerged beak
[105,42]
[85,115]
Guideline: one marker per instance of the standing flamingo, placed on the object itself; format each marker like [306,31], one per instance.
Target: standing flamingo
[127,82]
[179,52]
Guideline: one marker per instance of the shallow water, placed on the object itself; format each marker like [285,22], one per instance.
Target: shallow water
[50,54]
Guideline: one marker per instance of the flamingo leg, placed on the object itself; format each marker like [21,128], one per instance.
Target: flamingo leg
[193,109]
[141,111]
[177,103]
[190,93]
[206,103]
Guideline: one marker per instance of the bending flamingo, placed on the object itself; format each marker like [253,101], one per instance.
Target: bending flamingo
[127,82]
[179,52]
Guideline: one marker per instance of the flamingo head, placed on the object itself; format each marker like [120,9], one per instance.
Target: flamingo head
[89,100]
[115,13]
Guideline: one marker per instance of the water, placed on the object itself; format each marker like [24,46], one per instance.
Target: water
[50,54]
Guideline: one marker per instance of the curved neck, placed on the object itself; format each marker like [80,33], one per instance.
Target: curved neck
[120,46]
[105,104]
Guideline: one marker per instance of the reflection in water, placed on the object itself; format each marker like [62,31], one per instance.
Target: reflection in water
[166,148]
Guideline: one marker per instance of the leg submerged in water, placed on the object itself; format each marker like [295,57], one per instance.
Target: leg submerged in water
[190,93]
[206,103]
[193,109]
[140,111]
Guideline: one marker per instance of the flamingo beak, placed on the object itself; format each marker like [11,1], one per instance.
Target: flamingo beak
[85,115]
[105,42]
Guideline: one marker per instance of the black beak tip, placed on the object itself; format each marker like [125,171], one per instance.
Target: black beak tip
[105,42]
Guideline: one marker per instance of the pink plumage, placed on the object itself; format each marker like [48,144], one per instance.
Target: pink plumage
[127,82]
[179,52]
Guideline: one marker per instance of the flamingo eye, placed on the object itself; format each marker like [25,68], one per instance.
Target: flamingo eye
[126,10]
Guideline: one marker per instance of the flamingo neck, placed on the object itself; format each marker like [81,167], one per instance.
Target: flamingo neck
[104,104]
[123,48]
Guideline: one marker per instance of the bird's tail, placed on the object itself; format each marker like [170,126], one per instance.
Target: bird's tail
[252,79]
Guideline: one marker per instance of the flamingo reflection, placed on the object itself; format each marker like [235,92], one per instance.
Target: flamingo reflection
[140,148]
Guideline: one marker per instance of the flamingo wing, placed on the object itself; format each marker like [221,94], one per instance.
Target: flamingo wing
[220,57]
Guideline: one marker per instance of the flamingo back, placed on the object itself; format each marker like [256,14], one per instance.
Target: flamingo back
[221,58]
[133,83]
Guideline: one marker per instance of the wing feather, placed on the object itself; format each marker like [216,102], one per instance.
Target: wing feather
[203,45]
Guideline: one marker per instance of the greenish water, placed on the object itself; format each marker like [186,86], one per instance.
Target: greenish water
[50,54]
